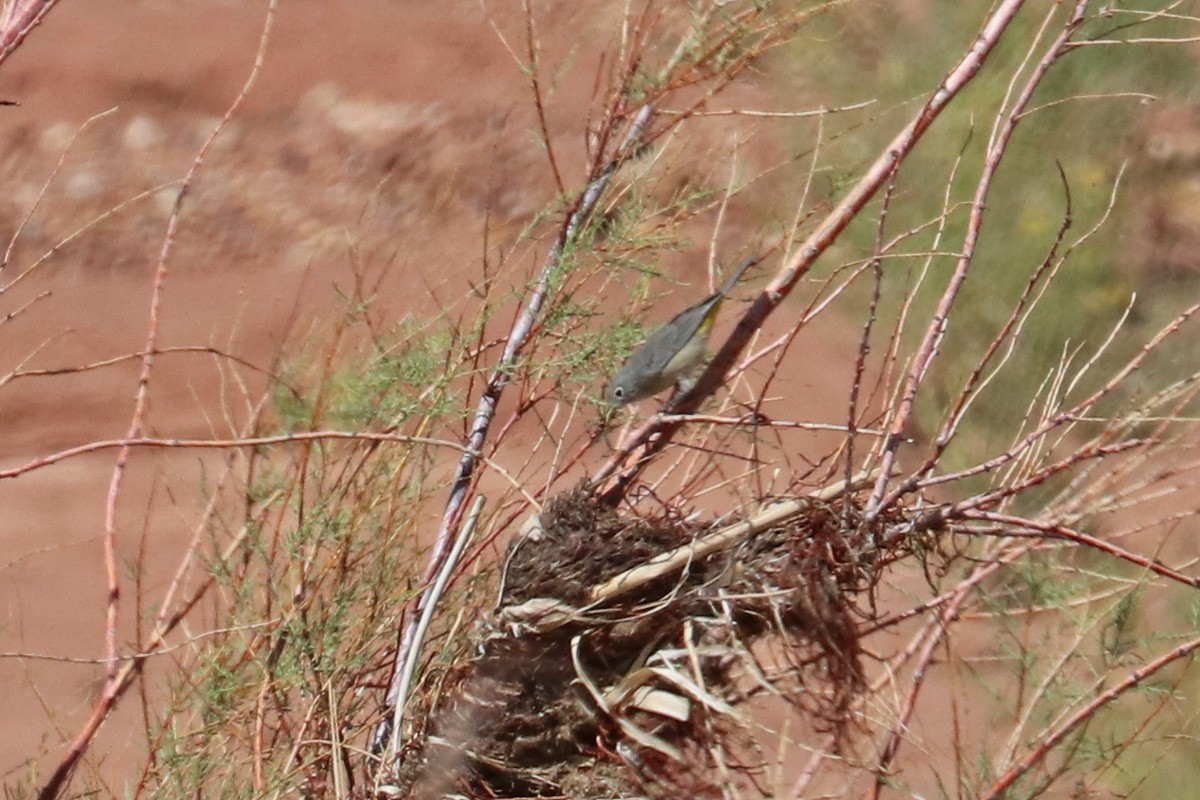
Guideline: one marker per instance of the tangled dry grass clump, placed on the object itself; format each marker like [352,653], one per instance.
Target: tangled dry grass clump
[587,659]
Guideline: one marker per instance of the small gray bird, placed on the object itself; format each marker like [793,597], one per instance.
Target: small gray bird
[674,350]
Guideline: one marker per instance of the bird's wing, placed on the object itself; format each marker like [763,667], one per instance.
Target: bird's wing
[666,342]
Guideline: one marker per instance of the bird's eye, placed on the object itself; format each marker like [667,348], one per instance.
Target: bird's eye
[619,392]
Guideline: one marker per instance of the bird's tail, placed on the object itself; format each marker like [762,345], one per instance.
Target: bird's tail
[736,275]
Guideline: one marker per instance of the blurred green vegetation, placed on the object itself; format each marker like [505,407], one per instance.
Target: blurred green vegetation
[897,55]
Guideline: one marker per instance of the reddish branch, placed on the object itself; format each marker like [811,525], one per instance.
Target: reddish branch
[1057,531]
[220,444]
[20,18]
